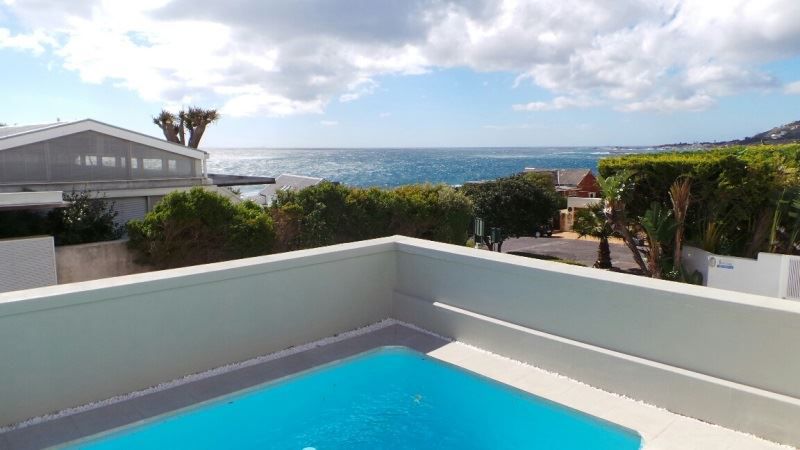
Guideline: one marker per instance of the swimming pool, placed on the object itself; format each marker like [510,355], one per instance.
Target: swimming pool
[390,397]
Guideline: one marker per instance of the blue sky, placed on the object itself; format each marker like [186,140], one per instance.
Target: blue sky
[638,80]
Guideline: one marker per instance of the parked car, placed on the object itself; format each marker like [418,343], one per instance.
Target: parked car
[543,231]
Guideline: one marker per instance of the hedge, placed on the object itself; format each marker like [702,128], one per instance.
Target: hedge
[198,227]
[330,213]
[731,186]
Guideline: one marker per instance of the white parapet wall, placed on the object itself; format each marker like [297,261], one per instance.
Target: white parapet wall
[719,356]
[27,263]
[73,344]
[771,274]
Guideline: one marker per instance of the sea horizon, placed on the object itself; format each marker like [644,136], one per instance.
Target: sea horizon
[395,166]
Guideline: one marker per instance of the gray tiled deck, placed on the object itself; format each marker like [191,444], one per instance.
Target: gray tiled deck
[87,423]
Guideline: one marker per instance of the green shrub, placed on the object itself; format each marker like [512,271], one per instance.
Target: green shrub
[732,187]
[86,219]
[198,227]
[330,213]
[518,204]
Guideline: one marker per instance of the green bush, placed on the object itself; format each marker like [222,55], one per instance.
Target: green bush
[518,204]
[330,213]
[198,227]
[732,187]
[86,219]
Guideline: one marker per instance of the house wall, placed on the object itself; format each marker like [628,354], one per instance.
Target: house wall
[770,274]
[91,156]
[588,187]
[96,260]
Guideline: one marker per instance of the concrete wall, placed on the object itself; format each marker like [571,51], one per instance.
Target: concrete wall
[719,356]
[26,263]
[97,260]
[68,345]
[770,274]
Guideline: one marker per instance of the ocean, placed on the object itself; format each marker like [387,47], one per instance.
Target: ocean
[388,167]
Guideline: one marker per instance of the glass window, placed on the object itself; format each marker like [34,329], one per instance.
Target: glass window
[91,160]
[109,161]
[172,165]
[134,163]
[152,164]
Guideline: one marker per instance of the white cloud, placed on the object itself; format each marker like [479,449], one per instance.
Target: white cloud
[358,89]
[555,104]
[34,42]
[279,58]
[697,102]
[328,123]
[792,88]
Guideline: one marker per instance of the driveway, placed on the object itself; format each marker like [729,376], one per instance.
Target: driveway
[566,247]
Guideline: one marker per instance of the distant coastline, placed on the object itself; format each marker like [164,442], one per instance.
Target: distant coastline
[397,166]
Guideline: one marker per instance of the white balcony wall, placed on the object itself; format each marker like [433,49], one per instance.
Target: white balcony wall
[73,344]
[719,356]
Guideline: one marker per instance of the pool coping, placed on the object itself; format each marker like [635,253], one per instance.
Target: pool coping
[658,428]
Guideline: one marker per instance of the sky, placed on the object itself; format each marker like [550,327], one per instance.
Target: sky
[409,73]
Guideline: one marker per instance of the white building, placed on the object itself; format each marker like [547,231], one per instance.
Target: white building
[285,182]
[132,169]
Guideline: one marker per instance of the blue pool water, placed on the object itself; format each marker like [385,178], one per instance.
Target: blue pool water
[391,398]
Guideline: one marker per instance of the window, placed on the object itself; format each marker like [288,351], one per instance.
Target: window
[91,160]
[108,161]
[134,163]
[152,164]
[172,165]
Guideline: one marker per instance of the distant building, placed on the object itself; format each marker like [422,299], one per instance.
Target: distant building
[285,182]
[132,169]
[572,182]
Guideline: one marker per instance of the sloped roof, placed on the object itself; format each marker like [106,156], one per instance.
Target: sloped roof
[563,177]
[11,130]
[288,182]
[16,136]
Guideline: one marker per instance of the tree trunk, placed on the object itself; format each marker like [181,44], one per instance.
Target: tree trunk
[616,220]
[196,134]
[654,259]
[169,131]
[603,254]
[182,131]
[676,258]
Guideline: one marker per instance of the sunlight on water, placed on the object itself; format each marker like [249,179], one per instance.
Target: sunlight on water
[394,167]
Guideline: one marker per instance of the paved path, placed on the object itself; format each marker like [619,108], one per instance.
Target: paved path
[581,250]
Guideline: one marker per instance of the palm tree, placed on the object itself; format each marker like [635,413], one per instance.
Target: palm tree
[194,119]
[659,226]
[169,125]
[680,195]
[615,190]
[592,222]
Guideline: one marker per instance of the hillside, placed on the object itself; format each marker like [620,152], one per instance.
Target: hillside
[783,133]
